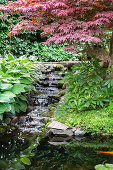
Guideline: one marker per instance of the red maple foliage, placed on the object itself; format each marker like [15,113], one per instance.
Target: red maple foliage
[65,20]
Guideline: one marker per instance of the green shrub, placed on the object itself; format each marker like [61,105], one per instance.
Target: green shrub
[86,88]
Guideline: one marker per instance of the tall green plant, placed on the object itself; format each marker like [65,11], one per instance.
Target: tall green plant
[87,88]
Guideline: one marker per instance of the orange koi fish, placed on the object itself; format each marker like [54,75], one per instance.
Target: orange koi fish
[107,152]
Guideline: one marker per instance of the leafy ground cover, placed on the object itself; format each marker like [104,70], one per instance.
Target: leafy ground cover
[94,121]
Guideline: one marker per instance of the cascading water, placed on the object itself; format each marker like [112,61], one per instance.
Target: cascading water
[47,93]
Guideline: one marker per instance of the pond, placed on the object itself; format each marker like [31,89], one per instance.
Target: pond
[74,154]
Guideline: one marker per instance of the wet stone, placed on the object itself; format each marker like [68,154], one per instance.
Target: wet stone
[79,132]
[57,128]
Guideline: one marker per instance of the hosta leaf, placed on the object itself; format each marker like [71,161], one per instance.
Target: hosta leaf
[8,107]
[13,109]
[109,166]
[26,75]
[23,106]
[18,88]
[4,98]
[14,71]
[17,108]
[1,116]
[12,100]
[9,94]
[22,97]
[5,86]
[3,108]
[26,160]
[25,81]
[100,167]
[104,167]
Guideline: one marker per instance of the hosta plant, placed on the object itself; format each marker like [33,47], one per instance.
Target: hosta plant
[16,79]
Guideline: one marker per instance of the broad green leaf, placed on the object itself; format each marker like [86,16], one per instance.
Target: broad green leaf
[14,71]
[4,98]
[26,160]
[25,81]
[10,56]
[109,166]
[12,109]
[23,106]
[18,88]
[3,108]
[17,108]
[12,100]
[100,167]
[9,94]
[104,167]
[25,74]
[5,86]
[8,107]
[22,97]
[1,116]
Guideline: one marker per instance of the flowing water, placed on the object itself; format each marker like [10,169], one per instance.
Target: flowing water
[49,153]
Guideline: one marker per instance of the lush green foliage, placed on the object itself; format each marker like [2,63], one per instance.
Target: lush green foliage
[89,89]
[16,78]
[54,53]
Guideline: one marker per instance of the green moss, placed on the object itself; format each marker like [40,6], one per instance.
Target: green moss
[94,121]
[61,83]
[59,66]
[62,92]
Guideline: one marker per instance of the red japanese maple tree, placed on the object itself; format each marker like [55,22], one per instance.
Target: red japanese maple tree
[65,20]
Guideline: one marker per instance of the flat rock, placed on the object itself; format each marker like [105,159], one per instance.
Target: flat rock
[57,125]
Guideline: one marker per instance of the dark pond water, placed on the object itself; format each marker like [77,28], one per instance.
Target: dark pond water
[75,155]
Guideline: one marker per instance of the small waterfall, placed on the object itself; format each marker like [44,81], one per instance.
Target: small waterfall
[47,93]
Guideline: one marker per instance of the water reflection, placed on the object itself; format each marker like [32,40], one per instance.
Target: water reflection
[54,153]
